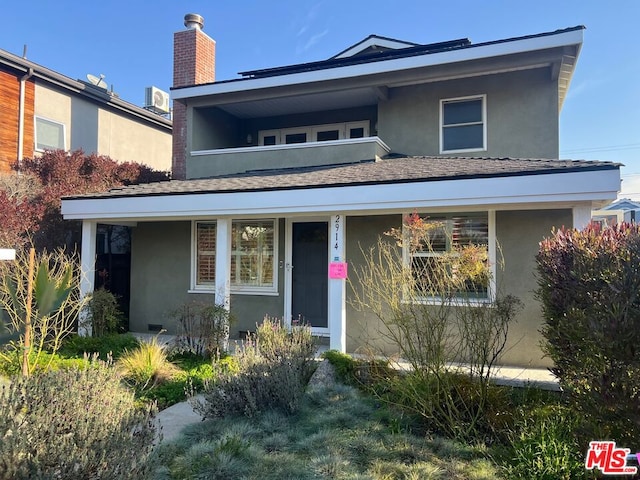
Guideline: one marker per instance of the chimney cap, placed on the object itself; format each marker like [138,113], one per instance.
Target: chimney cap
[193,21]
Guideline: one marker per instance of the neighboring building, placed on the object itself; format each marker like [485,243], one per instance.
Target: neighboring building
[43,109]
[293,168]
[623,210]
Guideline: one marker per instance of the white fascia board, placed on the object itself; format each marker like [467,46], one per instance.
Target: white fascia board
[522,190]
[573,37]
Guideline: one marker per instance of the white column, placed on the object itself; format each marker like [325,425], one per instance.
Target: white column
[581,216]
[337,286]
[88,270]
[223,258]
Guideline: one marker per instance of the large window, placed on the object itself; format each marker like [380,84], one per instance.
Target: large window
[205,255]
[435,259]
[463,125]
[252,263]
[314,133]
[253,256]
[50,135]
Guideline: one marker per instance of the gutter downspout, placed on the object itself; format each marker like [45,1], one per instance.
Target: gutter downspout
[23,80]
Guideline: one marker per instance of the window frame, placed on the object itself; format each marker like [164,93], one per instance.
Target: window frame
[209,287]
[257,289]
[483,122]
[36,146]
[407,257]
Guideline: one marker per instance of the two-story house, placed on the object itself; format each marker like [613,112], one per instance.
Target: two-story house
[45,110]
[292,169]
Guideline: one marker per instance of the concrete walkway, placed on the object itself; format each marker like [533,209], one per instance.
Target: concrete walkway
[173,419]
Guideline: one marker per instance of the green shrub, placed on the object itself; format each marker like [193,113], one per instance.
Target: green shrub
[588,284]
[344,365]
[114,344]
[544,446]
[194,373]
[10,362]
[146,366]
[77,423]
[104,313]
[274,368]
[202,328]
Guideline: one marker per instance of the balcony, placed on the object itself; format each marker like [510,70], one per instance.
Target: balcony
[225,161]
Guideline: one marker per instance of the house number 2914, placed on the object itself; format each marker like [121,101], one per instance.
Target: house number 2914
[337,224]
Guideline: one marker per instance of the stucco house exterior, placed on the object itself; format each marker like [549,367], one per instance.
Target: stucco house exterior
[43,109]
[289,170]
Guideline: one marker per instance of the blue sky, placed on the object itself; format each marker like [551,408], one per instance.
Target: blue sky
[130,42]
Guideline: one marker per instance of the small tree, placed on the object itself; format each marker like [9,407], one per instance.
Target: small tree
[428,312]
[589,285]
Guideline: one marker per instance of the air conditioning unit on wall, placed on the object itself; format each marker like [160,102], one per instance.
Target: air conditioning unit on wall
[156,100]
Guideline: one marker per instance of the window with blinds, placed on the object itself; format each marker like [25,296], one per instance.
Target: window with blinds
[253,255]
[448,234]
[205,254]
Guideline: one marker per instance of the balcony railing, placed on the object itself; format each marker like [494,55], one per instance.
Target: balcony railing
[224,161]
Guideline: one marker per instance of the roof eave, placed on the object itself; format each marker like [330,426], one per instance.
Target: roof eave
[567,38]
[536,191]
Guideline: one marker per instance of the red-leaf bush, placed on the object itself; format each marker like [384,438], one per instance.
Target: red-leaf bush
[589,285]
[36,218]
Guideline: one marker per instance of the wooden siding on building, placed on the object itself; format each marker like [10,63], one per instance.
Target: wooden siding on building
[10,101]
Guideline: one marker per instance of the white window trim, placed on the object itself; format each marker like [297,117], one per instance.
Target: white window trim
[268,133]
[256,290]
[235,290]
[312,130]
[35,132]
[195,287]
[340,127]
[492,256]
[444,101]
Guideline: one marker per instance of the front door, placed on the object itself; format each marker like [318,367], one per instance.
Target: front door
[309,278]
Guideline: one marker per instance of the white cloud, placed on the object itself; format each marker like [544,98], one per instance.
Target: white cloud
[311,42]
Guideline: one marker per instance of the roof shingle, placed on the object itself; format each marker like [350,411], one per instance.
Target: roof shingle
[392,169]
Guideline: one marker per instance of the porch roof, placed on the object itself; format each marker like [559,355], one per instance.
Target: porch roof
[389,170]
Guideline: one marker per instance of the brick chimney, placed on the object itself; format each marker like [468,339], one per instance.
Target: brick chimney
[194,63]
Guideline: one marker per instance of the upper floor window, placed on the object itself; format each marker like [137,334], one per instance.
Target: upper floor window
[463,124]
[253,255]
[453,256]
[314,133]
[49,134]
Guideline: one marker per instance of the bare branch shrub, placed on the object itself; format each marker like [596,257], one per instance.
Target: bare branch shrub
[440,318]
[202,328]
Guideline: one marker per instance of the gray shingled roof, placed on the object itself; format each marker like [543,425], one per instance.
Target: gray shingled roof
[393,169]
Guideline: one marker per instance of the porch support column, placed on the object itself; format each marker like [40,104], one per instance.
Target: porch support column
[223,257]
[337,286]
[581,216]
[88,270]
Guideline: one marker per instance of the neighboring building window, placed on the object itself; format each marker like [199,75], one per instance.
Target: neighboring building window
[253,255]
[314,133]
[448,235]
[205,255]
[463,125]
[50,135]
